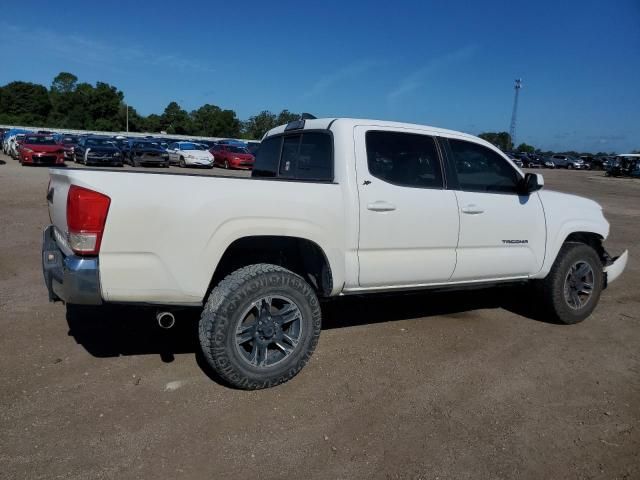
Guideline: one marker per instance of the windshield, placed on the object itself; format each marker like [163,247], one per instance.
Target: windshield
[100,142]
[191,146]
[233,149]
[39,140]
[69,140]
[146,145]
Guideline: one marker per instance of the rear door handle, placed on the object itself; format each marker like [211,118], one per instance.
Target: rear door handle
[472,209]
[381,206]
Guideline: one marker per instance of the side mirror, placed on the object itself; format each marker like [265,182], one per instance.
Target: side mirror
[532,182]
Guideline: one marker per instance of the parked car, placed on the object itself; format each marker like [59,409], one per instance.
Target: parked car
[14,145]
[94,150]
[364,209]
[566,161]
[516,160]
[10,136]
[532,161]
[232,156]
[190,154]
[625,165]
[146,153]
[548,163]
[41,149]
[68,144]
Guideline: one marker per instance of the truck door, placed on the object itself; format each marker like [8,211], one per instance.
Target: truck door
[408,221]
[502,233]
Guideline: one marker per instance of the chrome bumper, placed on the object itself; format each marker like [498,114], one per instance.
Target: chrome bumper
[69,278]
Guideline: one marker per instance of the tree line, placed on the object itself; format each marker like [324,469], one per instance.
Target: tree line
[68,104]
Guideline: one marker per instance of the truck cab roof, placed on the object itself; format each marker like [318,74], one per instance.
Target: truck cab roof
[349,123]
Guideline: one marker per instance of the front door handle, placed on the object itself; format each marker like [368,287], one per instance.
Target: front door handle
[381,206]
[472,209]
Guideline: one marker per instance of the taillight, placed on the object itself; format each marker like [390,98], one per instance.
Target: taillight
[86,214]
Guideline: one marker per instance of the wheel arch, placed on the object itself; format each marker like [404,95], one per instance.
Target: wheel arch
[591,234]
[302,256]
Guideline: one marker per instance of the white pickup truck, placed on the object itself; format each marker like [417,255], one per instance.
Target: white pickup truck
[333,207]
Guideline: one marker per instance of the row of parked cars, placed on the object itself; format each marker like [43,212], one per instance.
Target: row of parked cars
[584,162]
[51,148]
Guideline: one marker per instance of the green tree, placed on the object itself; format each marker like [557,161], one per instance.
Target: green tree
[61,95]
[176,120]
[137,123]
[105,107]
[285,116]
[212,121]
[524,148]
[78,115]
[24,103]
[152,123]
[502,140]
[64,82]
[259,124]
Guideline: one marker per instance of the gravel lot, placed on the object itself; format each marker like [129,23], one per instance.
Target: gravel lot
[449,386]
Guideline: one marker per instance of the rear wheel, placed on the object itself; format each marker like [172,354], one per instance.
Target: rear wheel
[571,290]
[182,162]
[260,326]
[226,164]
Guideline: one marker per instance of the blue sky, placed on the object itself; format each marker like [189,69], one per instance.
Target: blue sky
[448,64]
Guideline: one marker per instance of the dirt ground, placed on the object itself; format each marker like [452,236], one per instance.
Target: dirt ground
[431,385]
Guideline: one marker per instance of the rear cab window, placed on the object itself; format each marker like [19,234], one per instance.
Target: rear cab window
[301,155]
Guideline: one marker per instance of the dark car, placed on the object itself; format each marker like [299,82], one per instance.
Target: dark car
[532,161]
[624,166]
[98,151]
[68,144]
[146,152]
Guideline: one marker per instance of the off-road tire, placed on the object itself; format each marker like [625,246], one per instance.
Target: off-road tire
[221,316]
[552,287]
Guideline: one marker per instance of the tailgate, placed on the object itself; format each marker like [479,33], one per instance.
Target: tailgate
[57,199]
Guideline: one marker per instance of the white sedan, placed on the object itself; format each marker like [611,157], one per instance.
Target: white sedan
[190,154]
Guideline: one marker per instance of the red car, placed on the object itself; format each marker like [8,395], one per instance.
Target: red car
[232,156]
[37,148]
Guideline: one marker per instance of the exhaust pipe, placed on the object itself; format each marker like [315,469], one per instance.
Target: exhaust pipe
[165,320]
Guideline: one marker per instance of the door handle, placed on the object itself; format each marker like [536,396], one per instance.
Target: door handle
[472,209]
[380,206]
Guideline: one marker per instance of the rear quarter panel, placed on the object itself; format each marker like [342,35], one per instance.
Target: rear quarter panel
[166,233]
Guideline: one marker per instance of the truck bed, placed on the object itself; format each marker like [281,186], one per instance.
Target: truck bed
[165,232]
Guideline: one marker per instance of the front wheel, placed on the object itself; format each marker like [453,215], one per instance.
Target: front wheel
[571,290]
[260,326]
[182,162]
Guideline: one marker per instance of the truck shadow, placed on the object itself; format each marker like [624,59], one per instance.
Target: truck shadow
[114,330]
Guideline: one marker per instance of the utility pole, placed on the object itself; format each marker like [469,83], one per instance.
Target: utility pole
[127,107]
[514,114]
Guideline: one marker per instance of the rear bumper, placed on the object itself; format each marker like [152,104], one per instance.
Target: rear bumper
[69,278]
